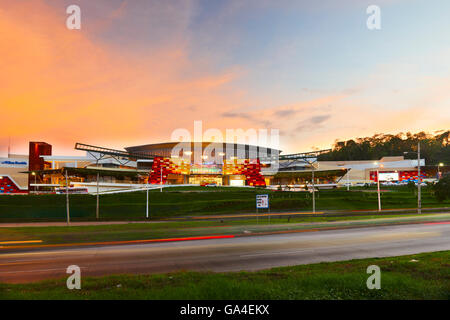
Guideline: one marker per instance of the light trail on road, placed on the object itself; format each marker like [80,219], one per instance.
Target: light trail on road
[229,254]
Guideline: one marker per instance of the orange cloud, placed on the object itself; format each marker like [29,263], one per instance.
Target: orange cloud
[60,86]
[63,86]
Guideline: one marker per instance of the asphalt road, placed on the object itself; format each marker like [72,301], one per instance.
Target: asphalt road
[234,254]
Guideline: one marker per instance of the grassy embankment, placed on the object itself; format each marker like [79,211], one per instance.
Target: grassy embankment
[422,276]
[182,201]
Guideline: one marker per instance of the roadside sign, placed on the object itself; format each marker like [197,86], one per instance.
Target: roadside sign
[262,201]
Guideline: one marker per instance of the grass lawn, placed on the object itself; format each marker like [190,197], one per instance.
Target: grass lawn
[421,276]
[182,201]
[158,230]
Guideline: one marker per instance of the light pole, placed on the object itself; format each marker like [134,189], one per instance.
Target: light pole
[146,209]
[439,172]
[419,182]
[97,214]
[348,179]
[160,181]
[314,191]
[67,199]
[378,185]
[419,196]
[34,174]
[311,163]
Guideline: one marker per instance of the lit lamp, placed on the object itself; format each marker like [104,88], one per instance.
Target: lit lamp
[34,174]
[439,173]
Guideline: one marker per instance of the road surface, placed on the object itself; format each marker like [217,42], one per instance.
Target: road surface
[234,254]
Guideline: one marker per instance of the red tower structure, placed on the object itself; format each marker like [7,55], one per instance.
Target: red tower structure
[35,162]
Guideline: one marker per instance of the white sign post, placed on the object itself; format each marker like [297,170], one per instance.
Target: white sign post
[262,202]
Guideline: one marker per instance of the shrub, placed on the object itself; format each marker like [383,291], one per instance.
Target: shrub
[442,188]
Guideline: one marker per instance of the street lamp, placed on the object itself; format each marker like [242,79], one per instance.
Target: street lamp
[348,177]
[97,210]
[419,196]
[146,209]
[378,184]
[67,199]
[311,164]
[439,173]
[160,180]
[314,189]
[34,174]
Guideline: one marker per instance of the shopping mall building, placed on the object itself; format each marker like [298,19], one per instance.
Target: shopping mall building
[191,163]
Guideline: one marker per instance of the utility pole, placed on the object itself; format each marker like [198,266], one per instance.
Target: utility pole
[419,187]
[419,196]
[97,211]
[67,199]
[438,171]
[146,209]
[348,180]
[160,182]
[378,189]
[9,147]
[314,191]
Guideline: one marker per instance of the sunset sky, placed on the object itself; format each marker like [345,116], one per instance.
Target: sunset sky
[139,69]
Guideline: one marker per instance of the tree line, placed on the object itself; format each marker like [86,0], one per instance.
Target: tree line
[434,148]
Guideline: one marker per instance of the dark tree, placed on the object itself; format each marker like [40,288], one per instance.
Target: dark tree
[442,188]
[434,148]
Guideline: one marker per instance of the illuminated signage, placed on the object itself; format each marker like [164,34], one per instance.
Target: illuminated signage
[388,176]
[206,169]
[23,163]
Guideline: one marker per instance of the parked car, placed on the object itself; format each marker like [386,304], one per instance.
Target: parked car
[208,184]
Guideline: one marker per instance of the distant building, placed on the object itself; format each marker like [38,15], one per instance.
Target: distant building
[192,163]
[393,169]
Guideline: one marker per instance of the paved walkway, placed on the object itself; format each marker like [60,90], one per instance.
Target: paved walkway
[222,216]
[60,224]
